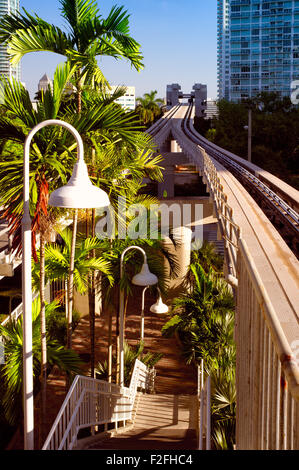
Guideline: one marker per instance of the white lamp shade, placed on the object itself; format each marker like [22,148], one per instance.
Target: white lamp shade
[79,192]
[145,277]
[159,307]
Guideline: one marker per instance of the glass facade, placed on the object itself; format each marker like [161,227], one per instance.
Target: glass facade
[6,7]
[258,47]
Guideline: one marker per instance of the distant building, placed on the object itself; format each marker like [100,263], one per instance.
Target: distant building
[173,93]
[6,68]
[212,109]
[44,83]
[128,100]
[258,47]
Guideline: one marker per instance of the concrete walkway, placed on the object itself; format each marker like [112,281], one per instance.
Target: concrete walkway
[162,422]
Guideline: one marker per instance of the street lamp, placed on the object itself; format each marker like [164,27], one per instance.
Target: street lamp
[159,307]
[68,197]
[143,278]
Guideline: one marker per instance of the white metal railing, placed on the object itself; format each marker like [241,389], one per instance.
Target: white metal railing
[91,402]
[229,230]
[267,374]
[16,313]
[204,396]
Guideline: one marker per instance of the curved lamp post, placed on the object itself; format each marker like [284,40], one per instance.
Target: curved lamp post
[143,278]
[159,308]
[79,192]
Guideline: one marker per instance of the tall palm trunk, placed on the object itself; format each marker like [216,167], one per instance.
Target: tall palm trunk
[71,280]
[110,343]
[73,248]
[110,346]
[43,371]
[91,302]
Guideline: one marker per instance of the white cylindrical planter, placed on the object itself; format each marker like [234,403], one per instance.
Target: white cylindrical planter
[182,252]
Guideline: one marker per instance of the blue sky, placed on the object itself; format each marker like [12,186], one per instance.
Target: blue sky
[178,40]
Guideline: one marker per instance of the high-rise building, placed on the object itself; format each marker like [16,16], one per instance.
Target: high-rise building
[212,109]
[258,47]
[7,7]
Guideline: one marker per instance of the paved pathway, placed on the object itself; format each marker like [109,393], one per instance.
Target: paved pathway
[162,421]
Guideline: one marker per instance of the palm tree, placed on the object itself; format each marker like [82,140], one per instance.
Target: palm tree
[149,107]
[112,250]
[57,262]
[203,318]
[87,37]
[130,356]
[19,116]
[50,148]
[11,372]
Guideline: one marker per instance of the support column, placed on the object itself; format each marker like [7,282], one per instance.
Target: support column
[173,146]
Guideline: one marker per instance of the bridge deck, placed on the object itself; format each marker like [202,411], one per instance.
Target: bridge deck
[277,265]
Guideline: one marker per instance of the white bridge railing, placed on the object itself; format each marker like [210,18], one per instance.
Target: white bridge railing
[91,403]
[267,370]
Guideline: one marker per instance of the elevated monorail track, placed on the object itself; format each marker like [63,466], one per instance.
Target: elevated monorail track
[280,213]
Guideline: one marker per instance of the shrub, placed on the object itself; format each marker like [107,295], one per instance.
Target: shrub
[57,325]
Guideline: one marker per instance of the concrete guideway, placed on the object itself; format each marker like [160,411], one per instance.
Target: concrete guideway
[277,265]
[264,273]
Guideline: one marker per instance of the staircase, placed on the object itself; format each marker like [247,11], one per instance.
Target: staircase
[210,235]
[161,422]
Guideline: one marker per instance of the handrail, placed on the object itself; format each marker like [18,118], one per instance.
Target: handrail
[91,402]
[204,397]
[17,312]
[266,326]
[281,344]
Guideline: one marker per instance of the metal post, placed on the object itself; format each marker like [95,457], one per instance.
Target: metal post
[27,310]
[27,283]
[142,315]
[249,134]
[121,314]
[208,433]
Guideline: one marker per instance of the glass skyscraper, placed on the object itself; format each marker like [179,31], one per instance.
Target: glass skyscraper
[7,7]
[258,47]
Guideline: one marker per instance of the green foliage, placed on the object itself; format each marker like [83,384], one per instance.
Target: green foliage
[87,36]
[275,130]
[57,325]
[156,257]
[131,353]
[57,261]
[203,317]
[223,406]
[149,108]
[11,372]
